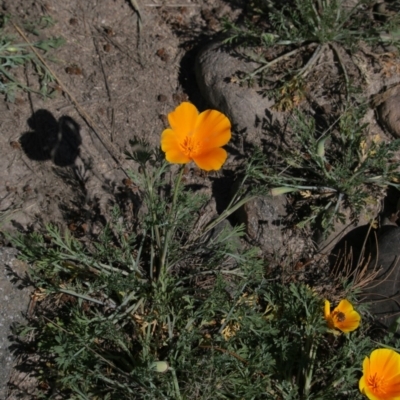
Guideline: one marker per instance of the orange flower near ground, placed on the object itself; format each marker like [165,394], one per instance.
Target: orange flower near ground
[343,317]
[196,137]
[381,375]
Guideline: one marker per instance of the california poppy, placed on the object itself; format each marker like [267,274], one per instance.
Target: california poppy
[343,317]
[196,137]
[381,375]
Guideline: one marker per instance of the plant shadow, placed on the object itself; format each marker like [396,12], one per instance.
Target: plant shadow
[50,139]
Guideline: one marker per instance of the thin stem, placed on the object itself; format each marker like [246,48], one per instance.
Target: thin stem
[81,296]
[314,58]
[339,28]
[231,310]
[339,201]
[364,245]
[149,184]
[170,224]
[309,373]
[176,385]
[20,85]
[323,189]
[115,317]
[227,212]
[276,60]
[316,14]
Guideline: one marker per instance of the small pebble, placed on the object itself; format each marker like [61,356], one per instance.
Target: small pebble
[162,53]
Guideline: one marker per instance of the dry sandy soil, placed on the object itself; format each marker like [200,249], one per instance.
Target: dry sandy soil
[119,74]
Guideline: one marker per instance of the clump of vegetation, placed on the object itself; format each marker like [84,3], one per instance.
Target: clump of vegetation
[167,307]
[329,171]
[15,54]
[304,30]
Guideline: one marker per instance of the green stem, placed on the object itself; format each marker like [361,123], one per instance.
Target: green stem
[176,385]
[348,16]
[149,184]
[323,189]
[170,224]
[81,296]
[310,364]
[339,201]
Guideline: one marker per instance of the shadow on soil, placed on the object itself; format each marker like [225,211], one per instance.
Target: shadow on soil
[50,139]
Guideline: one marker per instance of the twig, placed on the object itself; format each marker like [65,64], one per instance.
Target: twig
[110,99]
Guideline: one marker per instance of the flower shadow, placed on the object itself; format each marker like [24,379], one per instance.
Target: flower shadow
[50,139]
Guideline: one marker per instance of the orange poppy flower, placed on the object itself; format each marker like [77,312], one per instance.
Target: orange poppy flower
[381,375]
[196,137]
[343,317]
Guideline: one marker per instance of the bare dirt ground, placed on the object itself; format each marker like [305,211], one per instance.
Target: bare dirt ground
[62,160]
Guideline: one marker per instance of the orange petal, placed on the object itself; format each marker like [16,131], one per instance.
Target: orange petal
[176,157]
[213,129]
[169,140]
[211,160]
[170,146]
[183,120]
[347,326]
[344,306]
[371,396]
[393,388]
[385,361]
[327,309]
[351,322]
[362,383]
[385,364]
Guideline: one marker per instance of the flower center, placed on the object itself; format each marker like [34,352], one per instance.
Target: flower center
[339,316]
[190,147]
[377,384]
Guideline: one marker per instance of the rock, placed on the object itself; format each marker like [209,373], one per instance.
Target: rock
[215,67]
[383,293]
[389,111]
[263,218]
[326,243]
[14,302]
